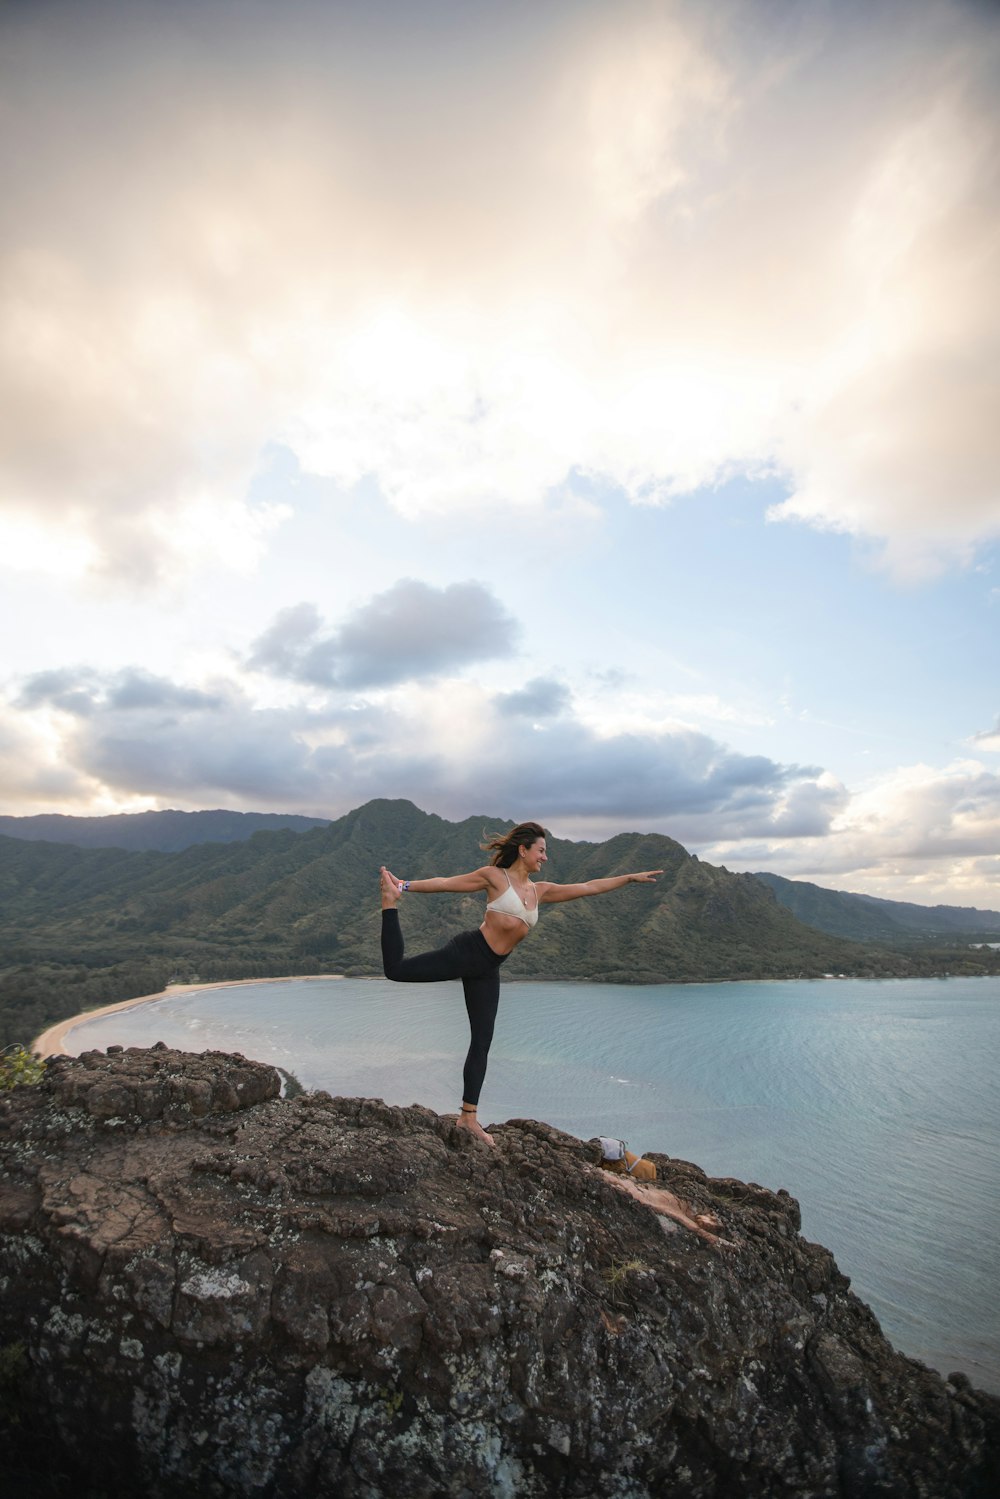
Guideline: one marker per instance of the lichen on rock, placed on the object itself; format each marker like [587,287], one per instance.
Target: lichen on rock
[256,1296]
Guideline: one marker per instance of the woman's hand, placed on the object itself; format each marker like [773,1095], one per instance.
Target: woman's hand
[395,878]
[646,876]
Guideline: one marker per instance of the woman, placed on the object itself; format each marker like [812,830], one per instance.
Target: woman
[475,957]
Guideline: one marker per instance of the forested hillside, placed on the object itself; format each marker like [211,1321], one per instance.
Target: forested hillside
[867,918]
[82,927]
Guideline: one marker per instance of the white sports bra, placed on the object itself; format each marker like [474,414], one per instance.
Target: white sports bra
[511,904]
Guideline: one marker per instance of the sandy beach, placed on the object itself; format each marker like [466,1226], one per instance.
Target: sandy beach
[52,1042]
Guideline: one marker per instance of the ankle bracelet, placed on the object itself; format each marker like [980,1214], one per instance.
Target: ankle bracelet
[469,1108]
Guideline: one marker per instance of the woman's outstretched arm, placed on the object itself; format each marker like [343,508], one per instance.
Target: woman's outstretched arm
[455,884]
[550,893]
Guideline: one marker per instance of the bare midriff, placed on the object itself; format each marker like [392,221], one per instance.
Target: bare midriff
[503,933]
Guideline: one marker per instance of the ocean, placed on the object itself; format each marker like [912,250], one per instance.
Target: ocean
[875,1103]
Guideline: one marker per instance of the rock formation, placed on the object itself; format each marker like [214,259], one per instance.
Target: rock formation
[221,1292]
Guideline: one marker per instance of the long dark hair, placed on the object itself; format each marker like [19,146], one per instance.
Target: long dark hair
[506,846]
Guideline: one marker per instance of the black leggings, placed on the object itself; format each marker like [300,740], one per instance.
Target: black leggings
[468,957]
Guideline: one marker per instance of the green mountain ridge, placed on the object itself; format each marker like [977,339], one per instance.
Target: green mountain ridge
[869,918]
[839,913]
[169,831]
[82,927]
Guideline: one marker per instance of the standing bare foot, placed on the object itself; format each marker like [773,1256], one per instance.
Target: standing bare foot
[390,889]
[467,1120]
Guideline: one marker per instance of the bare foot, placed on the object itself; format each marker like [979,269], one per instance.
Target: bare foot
[390,890]
[468,1121]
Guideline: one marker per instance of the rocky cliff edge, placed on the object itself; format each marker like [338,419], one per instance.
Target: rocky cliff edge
[208,1289]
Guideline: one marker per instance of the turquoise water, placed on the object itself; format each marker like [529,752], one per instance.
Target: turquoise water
[874,1103]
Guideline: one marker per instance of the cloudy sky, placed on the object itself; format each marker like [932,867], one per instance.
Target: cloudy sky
[566,409]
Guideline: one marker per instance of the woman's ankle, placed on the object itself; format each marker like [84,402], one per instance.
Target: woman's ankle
[468,1122]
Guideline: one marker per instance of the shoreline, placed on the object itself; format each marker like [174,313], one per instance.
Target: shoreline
[52,1042]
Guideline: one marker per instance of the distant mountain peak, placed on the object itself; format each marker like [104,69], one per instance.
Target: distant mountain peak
[169,830]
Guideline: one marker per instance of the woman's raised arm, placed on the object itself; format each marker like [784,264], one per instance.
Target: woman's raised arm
[550,893]
[455,884]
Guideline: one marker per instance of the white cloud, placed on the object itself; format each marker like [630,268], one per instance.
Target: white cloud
[440,742]
[539,698]
[411,630]
[620,707]
[931,813]
[34,772]
[988,739]
[901,444]
[703,240]
[83,741]
[922,833]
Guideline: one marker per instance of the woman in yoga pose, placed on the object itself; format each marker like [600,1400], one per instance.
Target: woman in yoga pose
[514,896]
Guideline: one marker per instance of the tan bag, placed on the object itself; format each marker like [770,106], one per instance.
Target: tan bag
[615,1156]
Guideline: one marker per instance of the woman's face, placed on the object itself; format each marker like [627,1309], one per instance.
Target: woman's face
[533,855]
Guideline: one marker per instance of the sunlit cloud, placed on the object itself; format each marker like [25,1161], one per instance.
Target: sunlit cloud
[918,833]
[437,740]
[90,741]
[29,545]
[623,707]
[507,278]
[678,258]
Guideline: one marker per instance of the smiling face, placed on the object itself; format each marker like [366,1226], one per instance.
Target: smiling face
[533,855]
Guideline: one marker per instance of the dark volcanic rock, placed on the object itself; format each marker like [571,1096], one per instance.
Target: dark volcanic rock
[247,1296]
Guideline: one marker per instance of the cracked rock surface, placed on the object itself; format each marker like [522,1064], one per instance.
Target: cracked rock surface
[251,1296]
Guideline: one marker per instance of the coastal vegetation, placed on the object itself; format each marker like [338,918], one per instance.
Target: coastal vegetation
[83,927]
[19,1068]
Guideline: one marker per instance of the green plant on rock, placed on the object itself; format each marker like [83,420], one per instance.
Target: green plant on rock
[19,1067]
[392,1400]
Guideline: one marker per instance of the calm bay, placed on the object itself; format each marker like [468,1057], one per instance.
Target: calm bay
[874,1103]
